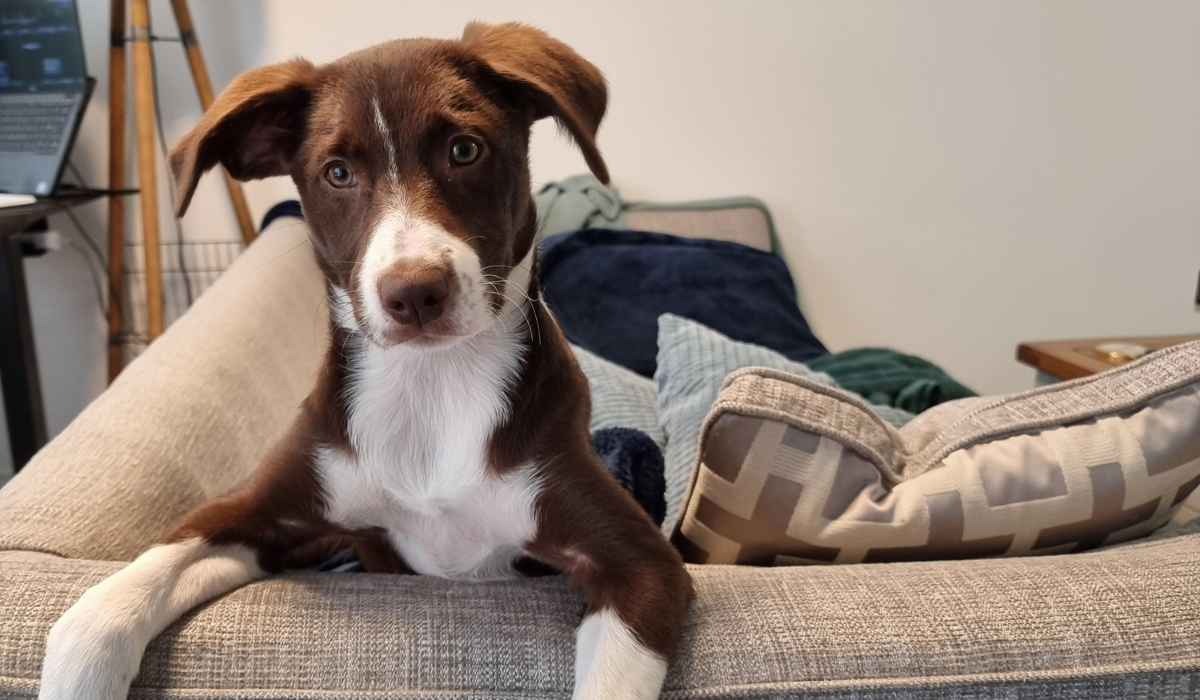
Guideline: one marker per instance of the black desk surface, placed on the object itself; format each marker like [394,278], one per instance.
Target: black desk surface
[14,220]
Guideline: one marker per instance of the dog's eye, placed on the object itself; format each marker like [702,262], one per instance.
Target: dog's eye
[464,150]
[339,174]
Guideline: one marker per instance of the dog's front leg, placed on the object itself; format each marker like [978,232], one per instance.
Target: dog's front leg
[637,588]
[94,650]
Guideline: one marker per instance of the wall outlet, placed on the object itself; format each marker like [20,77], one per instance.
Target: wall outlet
[35,243]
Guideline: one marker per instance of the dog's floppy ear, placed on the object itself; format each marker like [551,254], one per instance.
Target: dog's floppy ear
[253,128]
[564,85]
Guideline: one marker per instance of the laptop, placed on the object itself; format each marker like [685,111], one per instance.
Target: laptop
[43,91]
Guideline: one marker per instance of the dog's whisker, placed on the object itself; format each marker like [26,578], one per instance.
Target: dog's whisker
[528,326]
[520,291]
[289,250]
[520,307]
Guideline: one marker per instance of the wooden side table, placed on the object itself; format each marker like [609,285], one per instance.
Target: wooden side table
[1070,359]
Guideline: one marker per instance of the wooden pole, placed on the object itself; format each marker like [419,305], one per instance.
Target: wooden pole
[187,35]
[143,103]
[116,181]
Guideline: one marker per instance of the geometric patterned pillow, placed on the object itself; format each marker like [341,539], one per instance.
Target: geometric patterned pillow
[795,472]
[693,361]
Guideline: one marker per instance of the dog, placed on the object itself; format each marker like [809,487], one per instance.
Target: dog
[447,432]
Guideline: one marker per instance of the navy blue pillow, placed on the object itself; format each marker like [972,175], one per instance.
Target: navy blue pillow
[607,289]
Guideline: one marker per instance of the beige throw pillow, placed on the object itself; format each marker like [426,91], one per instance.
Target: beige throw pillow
[795,472]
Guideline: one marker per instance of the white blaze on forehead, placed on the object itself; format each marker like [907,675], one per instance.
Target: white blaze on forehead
[386,135]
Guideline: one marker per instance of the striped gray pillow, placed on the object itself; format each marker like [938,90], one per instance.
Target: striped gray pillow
[620,398]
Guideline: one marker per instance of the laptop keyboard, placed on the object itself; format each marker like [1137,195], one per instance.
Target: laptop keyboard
[32,126]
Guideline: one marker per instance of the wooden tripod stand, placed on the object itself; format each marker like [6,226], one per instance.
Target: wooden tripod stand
[143,103]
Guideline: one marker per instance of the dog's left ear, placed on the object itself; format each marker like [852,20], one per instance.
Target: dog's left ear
[564,85]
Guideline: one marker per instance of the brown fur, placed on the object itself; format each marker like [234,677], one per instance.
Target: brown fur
[296,118]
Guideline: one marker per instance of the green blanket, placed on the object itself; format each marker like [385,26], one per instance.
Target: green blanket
[579,201]
[891,378]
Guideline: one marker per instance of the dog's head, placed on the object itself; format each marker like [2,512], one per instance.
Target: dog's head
[411,159]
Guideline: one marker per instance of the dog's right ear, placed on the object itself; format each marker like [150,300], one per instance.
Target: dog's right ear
[253,128]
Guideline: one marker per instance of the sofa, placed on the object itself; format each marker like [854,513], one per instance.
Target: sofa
[192,415]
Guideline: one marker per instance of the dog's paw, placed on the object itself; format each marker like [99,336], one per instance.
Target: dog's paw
[91,654]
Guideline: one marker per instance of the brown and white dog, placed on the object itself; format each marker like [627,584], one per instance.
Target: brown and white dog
[448,428]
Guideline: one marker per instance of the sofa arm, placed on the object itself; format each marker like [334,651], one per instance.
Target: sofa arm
[186,420]
[1115,623]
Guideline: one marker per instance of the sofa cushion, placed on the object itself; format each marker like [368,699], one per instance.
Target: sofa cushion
[744,220]
[693,360]
[793,471]
[1095,625]
[188,419]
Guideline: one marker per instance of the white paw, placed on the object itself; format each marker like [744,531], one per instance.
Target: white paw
[90,654]
[611,664]
[94,651]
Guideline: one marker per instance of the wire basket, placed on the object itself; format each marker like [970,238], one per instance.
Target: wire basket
[188,270]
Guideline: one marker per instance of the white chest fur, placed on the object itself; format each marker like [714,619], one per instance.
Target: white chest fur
[420,421]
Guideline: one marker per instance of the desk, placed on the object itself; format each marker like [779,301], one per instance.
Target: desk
[18,356]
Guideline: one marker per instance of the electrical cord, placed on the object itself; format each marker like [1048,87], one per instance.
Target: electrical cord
[97,285]
[75,221]
[91,244]
[75,172]
[98,271]
[162,140]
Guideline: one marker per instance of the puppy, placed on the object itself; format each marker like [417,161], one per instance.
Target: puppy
[448,429]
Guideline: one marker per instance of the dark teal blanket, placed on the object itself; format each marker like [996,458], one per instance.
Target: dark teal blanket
[891,378]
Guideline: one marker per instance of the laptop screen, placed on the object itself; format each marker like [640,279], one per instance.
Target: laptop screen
[40,46]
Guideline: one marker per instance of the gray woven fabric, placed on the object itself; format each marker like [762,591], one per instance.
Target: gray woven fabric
[748,225]
[620,398]
[693,360]
[1114,624]
[820,409]
[187,419]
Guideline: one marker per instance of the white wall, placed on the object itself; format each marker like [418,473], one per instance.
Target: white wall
[948,178]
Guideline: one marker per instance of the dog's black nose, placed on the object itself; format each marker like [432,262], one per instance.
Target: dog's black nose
[414,297]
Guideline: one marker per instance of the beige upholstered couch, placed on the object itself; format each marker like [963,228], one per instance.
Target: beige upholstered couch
[191,417]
